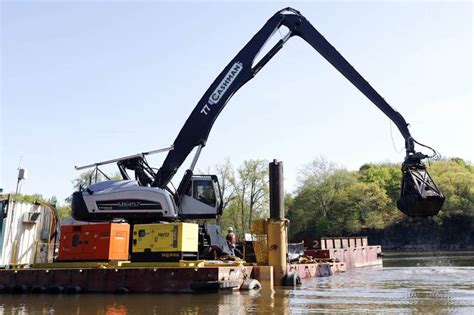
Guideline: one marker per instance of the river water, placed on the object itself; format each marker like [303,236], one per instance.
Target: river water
[428,283]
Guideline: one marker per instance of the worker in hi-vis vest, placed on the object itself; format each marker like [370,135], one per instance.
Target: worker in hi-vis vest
[231,239]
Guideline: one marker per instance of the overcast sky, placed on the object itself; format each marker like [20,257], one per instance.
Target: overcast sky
[88,81]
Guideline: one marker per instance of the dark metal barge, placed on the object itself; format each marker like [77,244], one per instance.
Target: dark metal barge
[148,279]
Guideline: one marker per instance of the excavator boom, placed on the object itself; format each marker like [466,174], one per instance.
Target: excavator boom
[419,196]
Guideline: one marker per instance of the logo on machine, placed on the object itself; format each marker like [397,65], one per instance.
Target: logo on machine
[222,87]
[128,204]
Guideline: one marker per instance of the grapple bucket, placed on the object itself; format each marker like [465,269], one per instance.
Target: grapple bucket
[420,197]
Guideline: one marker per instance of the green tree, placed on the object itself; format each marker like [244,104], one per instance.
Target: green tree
[225,173]
[64,211]
[246,193]
[360,205]
[253,177]
[386,176]
[31,198]
[331,201]
[455,178]
[92,176]
[313,212]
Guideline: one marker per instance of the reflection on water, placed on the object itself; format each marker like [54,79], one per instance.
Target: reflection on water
[394,288]
[397,289]
[262,302]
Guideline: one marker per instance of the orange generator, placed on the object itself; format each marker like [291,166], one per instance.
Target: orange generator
[94,242]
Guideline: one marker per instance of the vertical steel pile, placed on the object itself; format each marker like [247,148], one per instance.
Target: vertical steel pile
[277,237]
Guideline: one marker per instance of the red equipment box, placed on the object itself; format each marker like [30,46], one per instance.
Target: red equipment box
[94,242]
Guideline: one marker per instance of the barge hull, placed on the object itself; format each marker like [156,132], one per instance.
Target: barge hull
[123,280]
[149,279]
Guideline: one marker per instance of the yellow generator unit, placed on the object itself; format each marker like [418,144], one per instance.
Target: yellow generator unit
[165,242]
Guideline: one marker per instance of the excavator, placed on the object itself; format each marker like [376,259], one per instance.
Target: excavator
[147,197]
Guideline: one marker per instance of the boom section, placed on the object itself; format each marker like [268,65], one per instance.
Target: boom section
[242,68]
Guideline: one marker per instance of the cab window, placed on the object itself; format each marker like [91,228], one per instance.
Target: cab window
[203,190]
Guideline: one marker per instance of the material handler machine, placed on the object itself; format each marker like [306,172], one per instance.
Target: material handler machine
[148,198]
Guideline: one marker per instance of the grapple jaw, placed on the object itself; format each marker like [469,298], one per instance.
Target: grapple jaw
[420,197]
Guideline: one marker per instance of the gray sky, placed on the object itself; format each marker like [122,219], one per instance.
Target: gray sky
[88,81]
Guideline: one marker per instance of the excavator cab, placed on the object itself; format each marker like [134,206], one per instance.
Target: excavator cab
[420,197]
[202,198]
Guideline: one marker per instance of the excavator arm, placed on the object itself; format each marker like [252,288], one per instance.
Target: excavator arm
[420,195]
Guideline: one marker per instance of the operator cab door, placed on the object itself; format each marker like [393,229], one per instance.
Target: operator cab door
[202,199]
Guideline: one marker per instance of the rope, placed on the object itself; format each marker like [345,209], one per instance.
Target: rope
[393,142]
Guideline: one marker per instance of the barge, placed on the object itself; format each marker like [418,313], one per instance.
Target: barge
[177,277]
[196,277]
[157,252]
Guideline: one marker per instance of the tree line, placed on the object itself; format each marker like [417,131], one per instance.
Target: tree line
[332,201]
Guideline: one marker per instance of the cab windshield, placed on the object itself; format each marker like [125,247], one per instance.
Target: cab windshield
[203,190]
